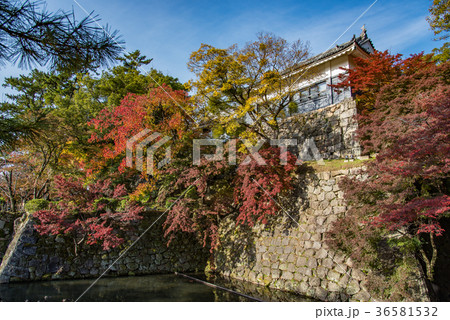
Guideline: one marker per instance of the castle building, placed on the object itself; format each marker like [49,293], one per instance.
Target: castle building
[324,116]
[315,94]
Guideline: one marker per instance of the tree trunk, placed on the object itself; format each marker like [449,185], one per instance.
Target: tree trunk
[430,263]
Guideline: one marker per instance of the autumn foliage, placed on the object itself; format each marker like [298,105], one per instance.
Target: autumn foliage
[371,74]
[161,110]
[203,194]
[405,121]
[94,214]
[257,186]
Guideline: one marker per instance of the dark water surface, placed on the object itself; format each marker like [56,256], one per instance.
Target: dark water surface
[152,288]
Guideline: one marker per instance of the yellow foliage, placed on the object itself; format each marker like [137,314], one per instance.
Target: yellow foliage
[142,190]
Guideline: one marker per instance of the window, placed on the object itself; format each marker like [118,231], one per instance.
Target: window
[322,88]
[314,92]
[304,95]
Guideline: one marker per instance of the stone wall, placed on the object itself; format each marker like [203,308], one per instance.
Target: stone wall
[289,253]
[33,257]
[6,230]
[332,128]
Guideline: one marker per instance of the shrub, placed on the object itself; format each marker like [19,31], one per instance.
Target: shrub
[35,205]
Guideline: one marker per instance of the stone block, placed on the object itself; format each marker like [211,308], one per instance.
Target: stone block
[261,249]
[358,274]
[330,196]
[343,297]
[347,114]
[324,204]
[266,271]
[321,196]
[301,261]
[267,241]
[283,257]
[327,211]
[334,296]
[266,263]
[321,272]
[304,271]
[303,287]
[292,257]
[333,287]
[325,175]
[321,293]
[341,268]
[283,266]
[321,253]
[361,296]
[299,277]
[320,220]
[294,241]
[314,204]
[317,245]
[83,271]
[314,282]
[287,275]
[275,274]
[333,276]
[343,281]
[312,263]
[352,287]
[316,237]
[29,251]
[328,263]
[310,252]
[291,267]
[349,263]
[308,244]
[288,249]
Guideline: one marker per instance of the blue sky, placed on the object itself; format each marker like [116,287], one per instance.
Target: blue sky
[169,30]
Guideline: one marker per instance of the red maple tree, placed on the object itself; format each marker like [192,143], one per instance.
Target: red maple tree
[203,194]
[162,110]
[405,120]
[93,214]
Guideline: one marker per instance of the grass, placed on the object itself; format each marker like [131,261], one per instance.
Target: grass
[334,165]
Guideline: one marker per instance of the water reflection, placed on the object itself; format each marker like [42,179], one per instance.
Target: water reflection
[152,288]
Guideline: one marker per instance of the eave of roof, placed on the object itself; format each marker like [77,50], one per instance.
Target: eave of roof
[336,51]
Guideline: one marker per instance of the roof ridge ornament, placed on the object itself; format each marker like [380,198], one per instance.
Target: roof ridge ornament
[363,32]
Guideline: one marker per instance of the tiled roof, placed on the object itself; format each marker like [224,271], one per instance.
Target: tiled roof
[362,40]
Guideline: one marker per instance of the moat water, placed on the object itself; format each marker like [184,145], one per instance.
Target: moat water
[151,288]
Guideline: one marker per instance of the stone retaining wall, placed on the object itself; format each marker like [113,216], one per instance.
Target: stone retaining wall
[289,253]
[33,257]
[332,128]
[6,230]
